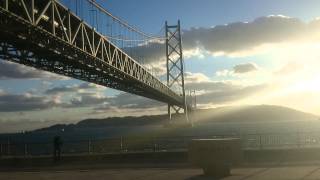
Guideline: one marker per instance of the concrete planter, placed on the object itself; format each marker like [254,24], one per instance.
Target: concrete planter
[215,156]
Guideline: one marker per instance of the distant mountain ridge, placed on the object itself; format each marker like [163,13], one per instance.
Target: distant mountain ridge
[208,122]
[241,114]
[254,114]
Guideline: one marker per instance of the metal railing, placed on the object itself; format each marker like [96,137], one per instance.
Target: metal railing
[281,140]
[158,144]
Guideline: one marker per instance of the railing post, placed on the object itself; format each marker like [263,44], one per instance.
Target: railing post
[154,144]
[260,141]
[1,150]
[298,140]
[25,149]
[8,147]
[121,144]
[89,146]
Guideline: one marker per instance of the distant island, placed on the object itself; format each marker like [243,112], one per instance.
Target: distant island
[241,114]
[223,120]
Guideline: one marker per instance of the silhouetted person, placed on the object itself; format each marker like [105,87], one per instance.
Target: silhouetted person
[57,143]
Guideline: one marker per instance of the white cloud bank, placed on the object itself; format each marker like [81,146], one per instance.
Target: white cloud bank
[238,38]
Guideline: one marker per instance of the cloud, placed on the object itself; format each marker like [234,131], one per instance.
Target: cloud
[24,102]
[115,111]
[62,89]
[74,88]
[221,92]
[238,70]
[225,72]
[125,104]
[195,77]
[208,91]
[289,68]
[88,100]
[235,39]
[243,36]
[97,100]
[10,70]
[245,68]
[84,95]
[126,100]
[212,86]
[150,52]
[229,93]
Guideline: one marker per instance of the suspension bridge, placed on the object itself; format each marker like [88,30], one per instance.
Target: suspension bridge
[82,40]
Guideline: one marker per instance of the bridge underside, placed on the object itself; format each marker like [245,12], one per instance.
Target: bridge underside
[23,42]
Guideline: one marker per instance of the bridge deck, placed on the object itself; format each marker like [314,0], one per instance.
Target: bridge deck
[46,35]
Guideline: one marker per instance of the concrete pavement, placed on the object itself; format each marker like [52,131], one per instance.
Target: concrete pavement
[300,172]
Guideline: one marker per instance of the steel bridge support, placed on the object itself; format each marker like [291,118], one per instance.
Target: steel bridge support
[175,68]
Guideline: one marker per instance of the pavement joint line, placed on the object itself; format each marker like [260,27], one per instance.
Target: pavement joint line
[255,173]
[84,170]
[59,171]
[31,172]
[310,173]
[258,172]
[152,174]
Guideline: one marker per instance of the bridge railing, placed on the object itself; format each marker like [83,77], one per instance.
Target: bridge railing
[157,144]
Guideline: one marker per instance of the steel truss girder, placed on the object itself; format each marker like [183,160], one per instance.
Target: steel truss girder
[54,39]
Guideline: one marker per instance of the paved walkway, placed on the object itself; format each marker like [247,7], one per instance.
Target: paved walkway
[310,172]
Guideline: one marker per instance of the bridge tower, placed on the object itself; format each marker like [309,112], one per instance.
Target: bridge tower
[175,68]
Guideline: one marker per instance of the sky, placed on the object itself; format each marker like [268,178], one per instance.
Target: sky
[236,53]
